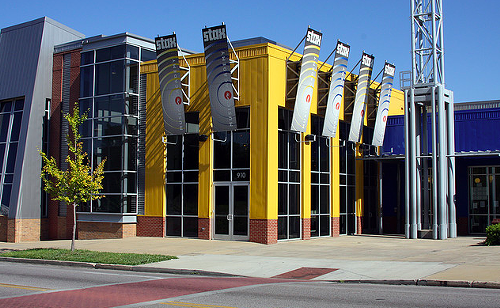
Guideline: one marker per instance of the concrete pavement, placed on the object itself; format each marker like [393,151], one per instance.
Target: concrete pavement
[359,257]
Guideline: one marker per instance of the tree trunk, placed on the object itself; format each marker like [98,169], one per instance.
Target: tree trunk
[74,228]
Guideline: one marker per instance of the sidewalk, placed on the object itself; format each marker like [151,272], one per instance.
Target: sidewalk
[362,257]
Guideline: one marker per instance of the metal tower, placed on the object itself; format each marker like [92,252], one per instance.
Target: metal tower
[430,147]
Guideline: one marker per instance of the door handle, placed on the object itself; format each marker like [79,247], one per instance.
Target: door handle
[229,216]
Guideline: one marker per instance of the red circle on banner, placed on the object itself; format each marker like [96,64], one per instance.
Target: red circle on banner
[384,119]
[362,112]
[337,106]
[178,100]
[308,98]
[227,95]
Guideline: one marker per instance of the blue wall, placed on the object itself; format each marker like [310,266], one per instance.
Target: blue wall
[475,130]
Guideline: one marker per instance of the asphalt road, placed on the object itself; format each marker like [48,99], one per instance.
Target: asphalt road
[25,285]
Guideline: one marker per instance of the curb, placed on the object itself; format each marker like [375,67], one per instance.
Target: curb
[147,269]
[119,267]
[427,282]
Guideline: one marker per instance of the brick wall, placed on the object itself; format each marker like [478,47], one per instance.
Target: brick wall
[3,228]
[205,228]
[150,226]
[104,230]
[335,226]
[264,231]
[306,228]
[61,231]
[23,230]
[58,228]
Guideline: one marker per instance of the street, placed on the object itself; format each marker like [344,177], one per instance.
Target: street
[26,285]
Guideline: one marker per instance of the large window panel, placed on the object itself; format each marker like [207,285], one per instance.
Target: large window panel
[4,126]
[241,149]
[87,81]
[174,199]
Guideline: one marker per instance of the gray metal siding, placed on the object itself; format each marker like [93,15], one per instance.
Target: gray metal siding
[28,50]
[19,52]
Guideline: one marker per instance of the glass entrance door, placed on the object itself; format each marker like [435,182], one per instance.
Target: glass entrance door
[231,212]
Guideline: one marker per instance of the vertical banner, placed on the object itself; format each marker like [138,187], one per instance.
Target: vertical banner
[383,104]
[358,114]
[307,80]
[170,85]
[336,91]
[220,86]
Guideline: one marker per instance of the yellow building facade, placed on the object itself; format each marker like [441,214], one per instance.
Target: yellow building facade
[261,182]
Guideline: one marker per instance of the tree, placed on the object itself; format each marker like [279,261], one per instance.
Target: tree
[77,184]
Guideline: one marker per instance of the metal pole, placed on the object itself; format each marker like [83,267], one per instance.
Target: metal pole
[408,93]
[418,167]
[425,169]
[451,168]
[380,199]
[434,169]
[443,166]
[413,167]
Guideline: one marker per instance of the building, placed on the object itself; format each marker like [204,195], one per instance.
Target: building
[26,53]
[260,182]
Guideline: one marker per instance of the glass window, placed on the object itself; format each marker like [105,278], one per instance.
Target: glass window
[133,52]
[109,106]
[289,178]
[191,152]
[85,107]
[182,197]
[110,148]
[190,226]
[173,226]
[108,126]
[86,81]
[6,195]
[5,106]
[2,153]
[109,77]
[222,150]
[190,199]
[111,182]
[4,126]
[87,57]
[111,53]
[11,158]
[109,132]
[241,149]
[174,153]
[147,55]
[108,204]
[133,76]
[174,199]
[243,117]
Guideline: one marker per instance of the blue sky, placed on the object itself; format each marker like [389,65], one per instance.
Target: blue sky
[381,28]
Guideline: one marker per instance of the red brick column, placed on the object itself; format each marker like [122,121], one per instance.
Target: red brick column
[335,226]
[204,228]
[55,137]
[264,231]
[151,226]
[359,222]
[306,228]
[4,222]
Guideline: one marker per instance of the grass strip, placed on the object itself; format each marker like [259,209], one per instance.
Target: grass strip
[82,255]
